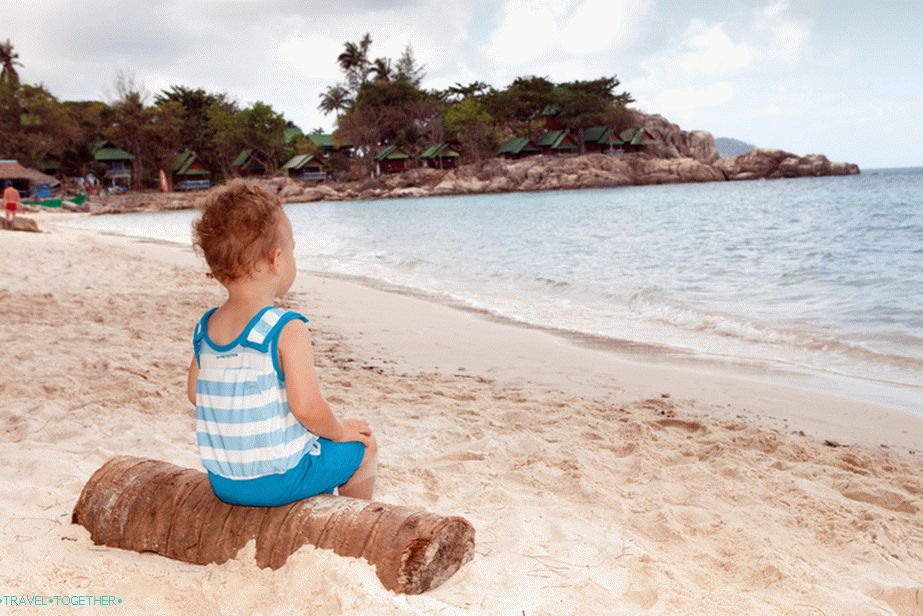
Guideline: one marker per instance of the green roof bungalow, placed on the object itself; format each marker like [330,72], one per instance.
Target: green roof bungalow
[602,139]
[558,143]
[550,113]
[391,159]
[634,139]
[440,156]
[327,143]
[516,148]
[116,160]
[189,173]
[306,167]
[246,164]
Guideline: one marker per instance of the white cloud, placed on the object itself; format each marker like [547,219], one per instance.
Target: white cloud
[708,50]
[696,97]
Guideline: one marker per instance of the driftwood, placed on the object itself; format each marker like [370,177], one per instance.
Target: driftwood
[20,223]
[151,506]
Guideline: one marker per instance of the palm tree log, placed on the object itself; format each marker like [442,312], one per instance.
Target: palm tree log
[152,506]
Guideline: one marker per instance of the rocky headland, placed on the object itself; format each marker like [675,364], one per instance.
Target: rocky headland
[678,157]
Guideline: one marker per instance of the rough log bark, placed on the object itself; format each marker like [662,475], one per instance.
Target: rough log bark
[152,506]
[20,223]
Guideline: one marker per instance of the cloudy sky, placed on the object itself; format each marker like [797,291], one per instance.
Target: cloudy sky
[839,77]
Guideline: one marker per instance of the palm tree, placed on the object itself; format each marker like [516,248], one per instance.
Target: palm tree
[381,69]
[354,61]
[473,89]
[9,59]
[336,98]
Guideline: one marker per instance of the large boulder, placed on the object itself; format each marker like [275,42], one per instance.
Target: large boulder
[774,163]
[673,142]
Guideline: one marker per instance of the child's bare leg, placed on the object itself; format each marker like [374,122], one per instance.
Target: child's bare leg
[362,483]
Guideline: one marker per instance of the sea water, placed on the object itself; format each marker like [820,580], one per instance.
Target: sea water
[817,274]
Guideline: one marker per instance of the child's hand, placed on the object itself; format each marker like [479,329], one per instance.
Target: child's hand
[356,430]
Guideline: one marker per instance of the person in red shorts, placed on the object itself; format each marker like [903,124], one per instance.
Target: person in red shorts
[11,198]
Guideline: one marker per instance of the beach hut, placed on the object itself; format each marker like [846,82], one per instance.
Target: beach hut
[517,147]
[440,156]
[550,113]
[306,167]
[327,144]
[116,161]
[29,182]
[246,164]
[602,139]
[634,139]
[189,173]
[558,143]
[391,159]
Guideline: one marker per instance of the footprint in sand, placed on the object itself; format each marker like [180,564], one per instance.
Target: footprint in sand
[688,426]
[893,501]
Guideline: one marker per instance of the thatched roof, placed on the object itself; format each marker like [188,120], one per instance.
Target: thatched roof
[12,170]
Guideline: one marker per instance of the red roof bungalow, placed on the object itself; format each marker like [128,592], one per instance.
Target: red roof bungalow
[558,143]
[516,148]
[189,173]
[634,139]
[392,159]
[441,156]
[550,113]
[246,164]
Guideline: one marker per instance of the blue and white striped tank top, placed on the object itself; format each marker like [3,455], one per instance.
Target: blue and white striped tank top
[244,425]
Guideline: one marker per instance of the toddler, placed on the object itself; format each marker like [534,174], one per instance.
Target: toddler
[266,435]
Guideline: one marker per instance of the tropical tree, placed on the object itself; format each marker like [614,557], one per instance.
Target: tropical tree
[381,69]
[335,98]
[585,103]
[354,62]
[9,60]
[128,115]
[407,68]
[470,124]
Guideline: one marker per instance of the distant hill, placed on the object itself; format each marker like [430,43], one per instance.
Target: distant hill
[732,147]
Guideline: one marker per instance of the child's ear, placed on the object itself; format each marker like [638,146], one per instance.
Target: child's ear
[275,260]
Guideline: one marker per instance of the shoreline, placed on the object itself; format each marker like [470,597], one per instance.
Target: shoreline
[875,392]
[591,359]
[593,481]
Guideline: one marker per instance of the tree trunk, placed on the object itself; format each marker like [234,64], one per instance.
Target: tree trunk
[151,506]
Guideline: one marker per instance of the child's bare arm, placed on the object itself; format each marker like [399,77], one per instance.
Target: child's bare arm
[191,378]
[303,390]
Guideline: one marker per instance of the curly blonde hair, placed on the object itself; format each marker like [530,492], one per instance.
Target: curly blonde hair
[239,226]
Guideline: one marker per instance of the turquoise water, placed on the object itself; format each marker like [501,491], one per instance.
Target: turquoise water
[819,273]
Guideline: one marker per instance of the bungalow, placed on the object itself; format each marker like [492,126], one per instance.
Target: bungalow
[558,143]
[391,160]
[327,143]
[517,147]
[602,139]
[440,156]
[306,167]
[247,164]
[635,138]
[550,113]
[29,182]
[189,173]
[116,160]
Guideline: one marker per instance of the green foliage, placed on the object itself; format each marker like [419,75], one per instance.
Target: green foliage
[9,60]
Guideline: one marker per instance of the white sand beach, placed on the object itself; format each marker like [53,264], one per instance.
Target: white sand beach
[599,482]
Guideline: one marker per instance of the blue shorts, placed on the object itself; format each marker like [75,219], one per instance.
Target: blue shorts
[318,472]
